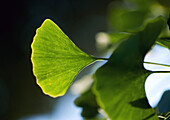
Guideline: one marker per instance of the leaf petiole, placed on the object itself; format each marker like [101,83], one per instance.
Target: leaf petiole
[165,116]
[102,59]
[160,65]
[160,71]
[157,64]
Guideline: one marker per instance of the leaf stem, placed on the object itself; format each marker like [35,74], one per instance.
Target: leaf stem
[101,59]
[165,116]
[160,65]
[162,117]
[168,117]
[160,71]
[157,64]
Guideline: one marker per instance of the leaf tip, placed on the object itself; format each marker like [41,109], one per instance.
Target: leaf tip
[46,21]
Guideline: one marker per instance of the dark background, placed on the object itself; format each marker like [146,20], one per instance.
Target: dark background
[80,19]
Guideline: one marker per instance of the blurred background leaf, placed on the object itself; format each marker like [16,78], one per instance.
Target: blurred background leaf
[88,102]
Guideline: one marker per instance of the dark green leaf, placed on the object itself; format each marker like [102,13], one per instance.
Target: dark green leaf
[88,102]
[141,103]
[169,21]
[165,3]
[126,20]
[120,82]
[115,37]
[56,60]
[165,42]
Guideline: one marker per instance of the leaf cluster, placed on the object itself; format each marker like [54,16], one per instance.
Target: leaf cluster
[118,87]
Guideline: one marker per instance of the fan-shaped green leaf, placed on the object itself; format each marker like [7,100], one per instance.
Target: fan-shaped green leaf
[119,84]
[56,60]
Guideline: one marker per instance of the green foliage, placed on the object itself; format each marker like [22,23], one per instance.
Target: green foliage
[169,21]
[165,42]
[116,37]
[56,60]
[118,86]
[123,77]
[126,19]
[88,102]
[129,15]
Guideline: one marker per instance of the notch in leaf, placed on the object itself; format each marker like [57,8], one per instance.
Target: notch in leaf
[56,59]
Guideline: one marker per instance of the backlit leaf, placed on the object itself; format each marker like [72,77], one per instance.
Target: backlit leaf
[56,60]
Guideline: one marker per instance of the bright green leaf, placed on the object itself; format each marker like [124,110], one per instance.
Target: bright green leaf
[119,84]
[56,60]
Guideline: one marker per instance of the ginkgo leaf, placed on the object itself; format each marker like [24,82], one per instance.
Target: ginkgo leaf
[56,60]
[119,84]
